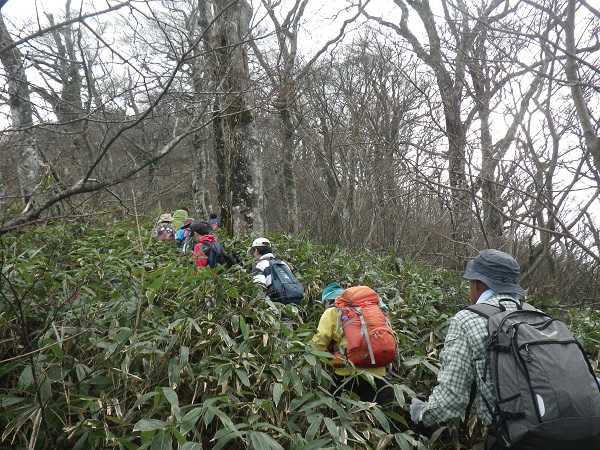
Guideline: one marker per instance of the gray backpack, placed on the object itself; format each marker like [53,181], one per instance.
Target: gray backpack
[545,386]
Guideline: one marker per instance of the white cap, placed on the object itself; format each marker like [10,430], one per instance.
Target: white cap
[261,242]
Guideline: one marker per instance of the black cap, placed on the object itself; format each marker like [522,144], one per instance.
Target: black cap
[200,227]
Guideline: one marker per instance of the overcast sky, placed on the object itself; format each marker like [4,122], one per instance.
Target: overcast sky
[28,8]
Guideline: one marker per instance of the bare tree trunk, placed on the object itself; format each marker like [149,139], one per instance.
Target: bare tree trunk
[450,85]
[290,191]
[203,17]
[30,162]
[592,141]
[235,131]
[200,191]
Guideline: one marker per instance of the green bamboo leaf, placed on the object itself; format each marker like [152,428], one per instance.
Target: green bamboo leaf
[9,367]
[225,420]
[180,438]
[162,441]
[124,334]
[82,443]
[311,359]
[101,381]
[436,434]
[332,429]
[197,327]
[15,425]
[431,367]
[399,394]
[171,396]
[314,427]
[6,401]
[243,376]
[127,444]
[235,322]
[277,391]
[405,443]
[188,422]
[222,441]
[224,376]
[191,446]
[142,399]
[381,418]
[81,370]
[184,355]
[45,389]
[262,441]
[26,378]
[209,414]
[412,362]
[56,349]
[298,401]
[149,425]
[315,445]
[244,328]
[154,288]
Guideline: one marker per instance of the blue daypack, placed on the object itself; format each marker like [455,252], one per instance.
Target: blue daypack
[285,287]
[216,255]
[213,251]
[188,243]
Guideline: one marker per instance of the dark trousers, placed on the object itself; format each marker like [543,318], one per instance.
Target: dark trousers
[381,393]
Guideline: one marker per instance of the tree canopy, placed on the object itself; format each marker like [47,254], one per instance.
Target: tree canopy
[431,128]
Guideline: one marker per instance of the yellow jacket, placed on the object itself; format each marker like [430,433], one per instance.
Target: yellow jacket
[327,331]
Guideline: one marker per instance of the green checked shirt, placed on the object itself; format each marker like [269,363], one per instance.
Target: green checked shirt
[463,361]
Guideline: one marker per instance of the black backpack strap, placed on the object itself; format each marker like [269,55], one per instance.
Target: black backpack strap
[485,310]
[207,249]
[527,307]
[464,426]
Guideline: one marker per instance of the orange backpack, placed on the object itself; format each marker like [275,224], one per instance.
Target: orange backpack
[367,327]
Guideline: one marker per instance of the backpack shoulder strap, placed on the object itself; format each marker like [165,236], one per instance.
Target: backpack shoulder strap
[207,248]
[527,307]
[464,425]
[485,309]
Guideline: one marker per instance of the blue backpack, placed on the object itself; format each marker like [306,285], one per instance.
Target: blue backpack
[214,253]
[188,243]
[285,287]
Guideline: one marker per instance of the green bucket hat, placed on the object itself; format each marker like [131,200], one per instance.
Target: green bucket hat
[331,292]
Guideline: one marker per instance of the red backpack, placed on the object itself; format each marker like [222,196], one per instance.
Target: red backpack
[367,327]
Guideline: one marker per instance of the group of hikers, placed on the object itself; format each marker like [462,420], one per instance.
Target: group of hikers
[193,237]
[532,385]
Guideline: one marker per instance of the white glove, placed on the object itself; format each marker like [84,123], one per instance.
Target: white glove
[416,406]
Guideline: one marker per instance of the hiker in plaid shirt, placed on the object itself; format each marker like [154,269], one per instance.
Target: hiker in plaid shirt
[464,353]
[492,276]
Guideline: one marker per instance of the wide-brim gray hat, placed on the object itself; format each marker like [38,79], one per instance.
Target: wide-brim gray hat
[498,270]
